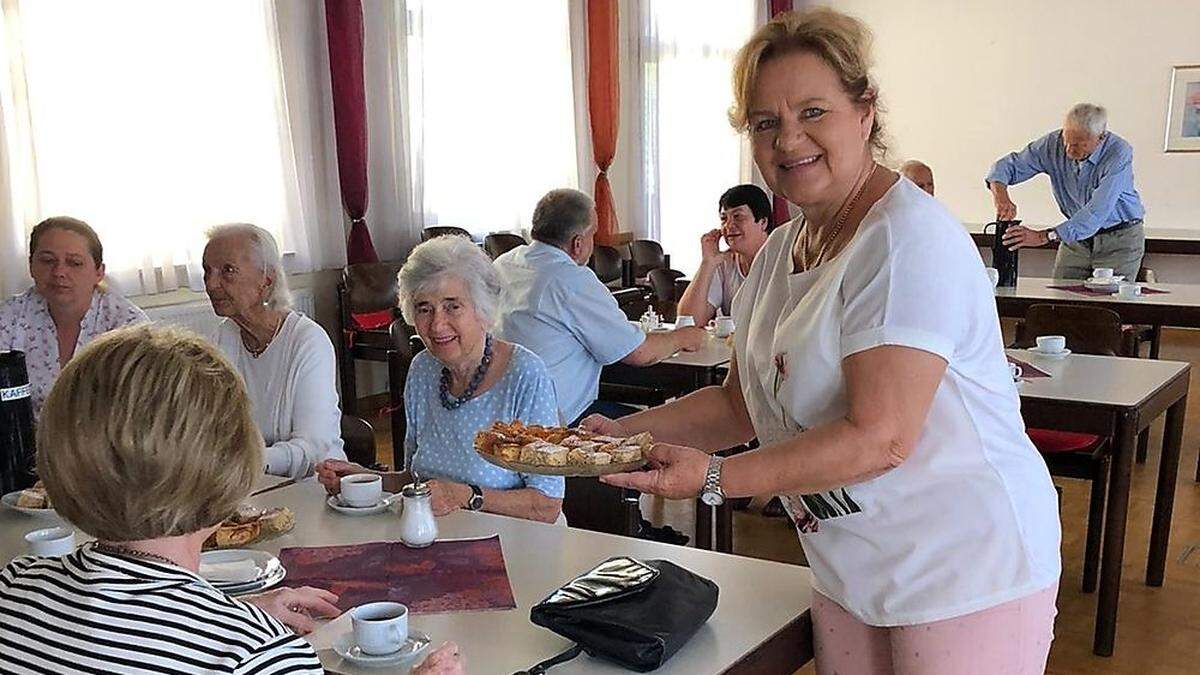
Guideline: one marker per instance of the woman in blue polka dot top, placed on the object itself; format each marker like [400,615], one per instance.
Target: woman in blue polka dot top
[463,382]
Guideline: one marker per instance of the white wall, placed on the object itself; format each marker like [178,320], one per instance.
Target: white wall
[966,81]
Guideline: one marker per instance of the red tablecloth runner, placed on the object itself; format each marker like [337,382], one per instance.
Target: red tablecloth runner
[449,576]
[1028,370]
[1084,290]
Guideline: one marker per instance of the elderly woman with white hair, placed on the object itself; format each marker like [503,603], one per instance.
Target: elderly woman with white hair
[285,358]
[464,381]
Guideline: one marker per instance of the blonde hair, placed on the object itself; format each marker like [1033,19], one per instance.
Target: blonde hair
[147,433]
[840,40]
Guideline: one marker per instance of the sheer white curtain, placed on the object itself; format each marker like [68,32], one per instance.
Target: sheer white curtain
[154,121]
[491,110]
[690,153]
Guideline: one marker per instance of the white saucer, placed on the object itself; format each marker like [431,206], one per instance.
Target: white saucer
[1050,355]
[335,503]
[414,646]
[10,500]
[270,570]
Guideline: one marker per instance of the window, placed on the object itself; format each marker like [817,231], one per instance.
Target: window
[492,111]
[691,154]
[152,121]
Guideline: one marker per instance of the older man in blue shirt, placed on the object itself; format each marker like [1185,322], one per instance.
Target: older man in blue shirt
[1091,174]
[554,306]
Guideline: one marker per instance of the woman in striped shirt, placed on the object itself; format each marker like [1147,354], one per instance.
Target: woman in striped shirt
[147,443]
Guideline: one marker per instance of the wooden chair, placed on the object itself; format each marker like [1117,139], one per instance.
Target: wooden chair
[1089,330]
[358,439]
[366,299]
[404,345]
[443,230]
[647,255]
[497,244]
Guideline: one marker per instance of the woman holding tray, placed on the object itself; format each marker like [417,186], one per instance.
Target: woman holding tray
[869,365]
[463,381]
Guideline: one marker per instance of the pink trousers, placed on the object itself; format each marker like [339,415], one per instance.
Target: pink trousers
[1010,639]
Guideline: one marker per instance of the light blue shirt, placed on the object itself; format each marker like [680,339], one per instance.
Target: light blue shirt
[440,443]
[561,312]
[1092,194]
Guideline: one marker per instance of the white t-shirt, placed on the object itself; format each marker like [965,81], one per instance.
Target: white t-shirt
[970,519]
[292,389]
[726,281]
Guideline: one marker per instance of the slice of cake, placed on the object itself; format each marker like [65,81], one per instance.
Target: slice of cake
[541,453]
[626,453]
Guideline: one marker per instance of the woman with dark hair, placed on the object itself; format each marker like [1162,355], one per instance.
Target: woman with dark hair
[745,222]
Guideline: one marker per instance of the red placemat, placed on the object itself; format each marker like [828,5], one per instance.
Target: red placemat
[449,576]
[1084,290]
[1028,370]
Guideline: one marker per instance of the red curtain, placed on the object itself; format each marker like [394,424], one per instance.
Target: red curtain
[604,97]
[779,205]
[344,30]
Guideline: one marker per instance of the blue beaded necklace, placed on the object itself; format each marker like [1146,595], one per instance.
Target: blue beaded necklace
[454,402]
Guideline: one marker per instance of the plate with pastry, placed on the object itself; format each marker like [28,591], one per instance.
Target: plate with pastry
[240,571]
[557,451]
[249,525]
[31,501]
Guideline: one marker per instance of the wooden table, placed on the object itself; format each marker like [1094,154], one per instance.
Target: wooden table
[1118,398]
[761,624]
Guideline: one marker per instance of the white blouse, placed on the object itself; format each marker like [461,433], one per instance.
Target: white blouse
[293,391]
[970,519]
[26,325]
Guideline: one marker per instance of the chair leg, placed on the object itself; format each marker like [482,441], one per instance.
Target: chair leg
[1156,342]
[1095,526]
[1143,446]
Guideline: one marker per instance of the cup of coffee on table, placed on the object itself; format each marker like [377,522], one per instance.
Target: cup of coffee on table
[362,489]
[723,326]
[1129,290]
[380,627]
[1051,344]
[1101,273]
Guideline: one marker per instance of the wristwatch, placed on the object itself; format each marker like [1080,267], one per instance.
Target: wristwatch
[476,501]
[712,494]
[1051,235]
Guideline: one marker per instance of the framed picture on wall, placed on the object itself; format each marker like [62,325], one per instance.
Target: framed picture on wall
[1183,111]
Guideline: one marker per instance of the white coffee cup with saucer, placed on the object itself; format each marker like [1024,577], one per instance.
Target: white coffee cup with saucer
[722,326]
[380,636]
[1099,273]
[1052,346]
[1129,291]
[361,489]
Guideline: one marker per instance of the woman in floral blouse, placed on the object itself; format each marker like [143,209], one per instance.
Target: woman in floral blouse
[67,306]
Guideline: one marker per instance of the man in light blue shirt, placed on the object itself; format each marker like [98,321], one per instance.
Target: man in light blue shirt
[1091,174]
[554,306]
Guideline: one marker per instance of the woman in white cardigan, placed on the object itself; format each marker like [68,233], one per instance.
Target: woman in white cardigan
[285,358]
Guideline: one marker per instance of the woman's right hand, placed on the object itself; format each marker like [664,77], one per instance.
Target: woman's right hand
[602,425]
[330,473]
[710,246]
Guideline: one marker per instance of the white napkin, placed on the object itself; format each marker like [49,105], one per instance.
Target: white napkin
[224,572]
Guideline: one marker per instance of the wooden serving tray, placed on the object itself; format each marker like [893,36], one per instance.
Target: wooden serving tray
[570,470]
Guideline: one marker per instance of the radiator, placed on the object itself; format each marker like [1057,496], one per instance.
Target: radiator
[198,315]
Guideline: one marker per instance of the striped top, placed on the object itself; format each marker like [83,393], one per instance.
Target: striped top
[92,612]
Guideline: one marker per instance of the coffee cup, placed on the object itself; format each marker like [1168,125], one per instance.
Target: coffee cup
[1129,290]
[722,326]
[1051,344]
[379,627]
[362,489]
[1102,273]
[50,542]
[993,276]
[684,321]
[1015,370]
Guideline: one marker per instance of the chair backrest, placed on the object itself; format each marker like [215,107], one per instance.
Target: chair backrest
[442,230]
[662,282]
[1089,330]
[606,263]
[633,301]
[499,243]
[358,439]
[647,255]
[370,287]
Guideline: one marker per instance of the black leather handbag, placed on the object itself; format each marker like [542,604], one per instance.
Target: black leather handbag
[635,613]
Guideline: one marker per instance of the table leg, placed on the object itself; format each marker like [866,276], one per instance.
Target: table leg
[1155,342]
[725,528]
[1164,495]
[1113,548]
[1143,445]
[704,526]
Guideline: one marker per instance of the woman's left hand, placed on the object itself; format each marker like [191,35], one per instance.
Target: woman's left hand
[448,497]
[676,472]
[295,607]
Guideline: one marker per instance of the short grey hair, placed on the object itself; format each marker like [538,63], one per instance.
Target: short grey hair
[1089,116]
[265,253]
[449,256]
[562,215]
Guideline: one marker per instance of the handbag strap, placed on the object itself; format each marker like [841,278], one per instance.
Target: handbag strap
[542,667]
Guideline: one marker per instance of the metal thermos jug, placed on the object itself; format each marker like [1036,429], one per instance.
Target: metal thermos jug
[1004,260]
[17,458]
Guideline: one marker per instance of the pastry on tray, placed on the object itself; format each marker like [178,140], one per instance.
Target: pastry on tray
[34,497]
[249,525]
[558,447]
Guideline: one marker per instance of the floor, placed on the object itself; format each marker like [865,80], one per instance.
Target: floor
[1158,628]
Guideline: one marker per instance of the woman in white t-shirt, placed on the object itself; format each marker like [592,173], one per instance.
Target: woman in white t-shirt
[870,366]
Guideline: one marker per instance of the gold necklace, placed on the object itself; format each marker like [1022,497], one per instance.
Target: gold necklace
[123,552]
[843,215]
[255,353]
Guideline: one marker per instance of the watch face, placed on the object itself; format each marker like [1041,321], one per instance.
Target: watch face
[712,498]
